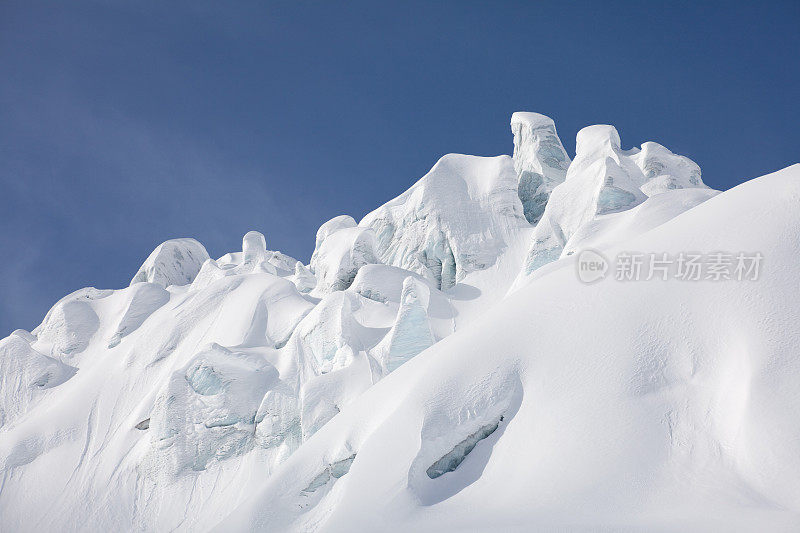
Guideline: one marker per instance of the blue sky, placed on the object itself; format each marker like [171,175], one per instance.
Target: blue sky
[123,124]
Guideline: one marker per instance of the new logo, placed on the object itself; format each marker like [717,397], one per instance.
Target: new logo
[592,266]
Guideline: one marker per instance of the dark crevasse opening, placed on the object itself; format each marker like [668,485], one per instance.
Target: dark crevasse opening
[456,456]
[334,470]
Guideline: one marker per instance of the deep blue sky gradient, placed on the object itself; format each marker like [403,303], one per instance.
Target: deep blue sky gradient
[126,124]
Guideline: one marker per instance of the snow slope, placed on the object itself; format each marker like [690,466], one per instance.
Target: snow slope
[437,365]
[652,405]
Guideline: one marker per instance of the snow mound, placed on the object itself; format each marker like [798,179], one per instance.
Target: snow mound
[70,325]
[343,249]
[254,247]
[329,334]
[382,283]
[253,259]
[457,219]
[303,278]
[666,171]
[208,410]
[25,375]
[332,226]
[174,262]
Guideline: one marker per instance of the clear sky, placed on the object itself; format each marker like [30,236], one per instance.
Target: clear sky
[123,124]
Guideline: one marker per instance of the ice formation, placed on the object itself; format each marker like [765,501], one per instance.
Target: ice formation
[603,180]
[455,220]
[304,279]
[342,248]
[254,248]
[25,374]
[175,262]
[207,410]
[411,332]
[436,365]
[452,459]
[539,159]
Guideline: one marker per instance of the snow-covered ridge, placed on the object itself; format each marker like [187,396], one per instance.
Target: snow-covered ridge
[434,355]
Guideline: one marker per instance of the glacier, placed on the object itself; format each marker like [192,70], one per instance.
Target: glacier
[435,365]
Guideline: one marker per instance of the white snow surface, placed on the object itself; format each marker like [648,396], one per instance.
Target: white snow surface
[175,262]
[436,366]
[459,218]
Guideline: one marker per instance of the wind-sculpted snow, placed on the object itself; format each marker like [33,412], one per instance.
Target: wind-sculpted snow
[208,410]
[70,325]
[381,283]
[254,248]
[330,346]
[147,297]
[342,248]
[254,258]
[332,226]
[333,471]
[25,375]
[665,171]
[304,279]
[330,332]
[601,181]
[175,262]
[617,413]
[437,366]
[452,459]
[411,332]
[457,219]
[539,159]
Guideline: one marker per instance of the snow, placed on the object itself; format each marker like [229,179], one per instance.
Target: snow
[456,219]
[453,459]
[254,247]
[603,180]
[674,416]
[147,297]
[332,226]
[208,410]
[342,250]
[70,325]
[303,278]
[174,262]
[436,366]
[665,170]
[411,333]
[539,159]
[25,374]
